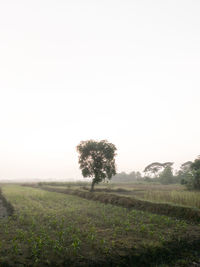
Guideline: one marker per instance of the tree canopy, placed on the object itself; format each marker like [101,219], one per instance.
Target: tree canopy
[166,177]
[195,167]
[97,160]
[155,167]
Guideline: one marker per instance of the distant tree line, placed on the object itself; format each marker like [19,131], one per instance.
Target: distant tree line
[188,174]
[160,172]
[124,177]
[97,160]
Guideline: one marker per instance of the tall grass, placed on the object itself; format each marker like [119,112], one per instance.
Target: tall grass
[177,197]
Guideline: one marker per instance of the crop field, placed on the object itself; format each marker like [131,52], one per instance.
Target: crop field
[176,194]
[56,229]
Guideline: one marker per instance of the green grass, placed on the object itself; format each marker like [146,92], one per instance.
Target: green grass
[176,194]
[57,229]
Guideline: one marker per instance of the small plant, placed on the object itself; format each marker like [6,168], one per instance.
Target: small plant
[76,245]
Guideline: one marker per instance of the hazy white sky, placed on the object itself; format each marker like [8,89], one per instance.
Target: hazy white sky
[125,71]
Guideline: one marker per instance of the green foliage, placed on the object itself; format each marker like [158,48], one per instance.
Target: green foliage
[124,177]
[155,167]
[190,174]
[97,160]
[195,167]
[184,175]
[166,177]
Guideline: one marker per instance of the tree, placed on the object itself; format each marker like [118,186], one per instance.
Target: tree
[153,168]
[166,177]
[184,175]
[97,160]
[195,167]
[167,164]
[190,174]
[185,167]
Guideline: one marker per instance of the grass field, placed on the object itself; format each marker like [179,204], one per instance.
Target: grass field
[176,194]
[54,229]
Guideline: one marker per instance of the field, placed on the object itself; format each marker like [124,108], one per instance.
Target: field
[49,228]
[174,194]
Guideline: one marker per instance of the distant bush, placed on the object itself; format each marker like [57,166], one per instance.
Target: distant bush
[124,177]
[67,184]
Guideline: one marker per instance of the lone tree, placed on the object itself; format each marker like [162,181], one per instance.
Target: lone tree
[97,160]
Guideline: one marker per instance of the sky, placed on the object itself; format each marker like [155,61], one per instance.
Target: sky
[125,71]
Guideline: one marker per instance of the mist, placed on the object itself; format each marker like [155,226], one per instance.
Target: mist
[127,73]
[99,133]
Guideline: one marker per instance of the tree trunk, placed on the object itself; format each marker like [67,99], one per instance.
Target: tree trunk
[92,186]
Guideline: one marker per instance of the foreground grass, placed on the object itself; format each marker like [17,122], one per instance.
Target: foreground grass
[56,229]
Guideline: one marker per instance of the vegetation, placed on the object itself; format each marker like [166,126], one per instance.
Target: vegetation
[166,177]
[65,184]
[155,167]
[117,224]
[55,229]
[124,177]
[97,160]
[156,172]
[185,198]
[190,174]
[171,193]
[178,212]
[195,167]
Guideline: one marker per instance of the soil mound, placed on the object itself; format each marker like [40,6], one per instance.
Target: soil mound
[3,210]
[6,208]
